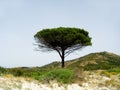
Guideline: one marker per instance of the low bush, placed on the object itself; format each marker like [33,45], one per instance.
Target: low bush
[2,70]
[115,70]
[61,75]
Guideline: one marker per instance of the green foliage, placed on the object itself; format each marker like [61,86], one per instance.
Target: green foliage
[43,74]
[61,75]
[115,70]
[26,72]
[63,40]
[100,66]
[17,72]
[2,70]
[57,37]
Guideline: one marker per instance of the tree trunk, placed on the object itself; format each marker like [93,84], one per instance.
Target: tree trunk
[63,57]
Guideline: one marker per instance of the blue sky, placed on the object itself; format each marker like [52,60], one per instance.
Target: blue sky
[21,19]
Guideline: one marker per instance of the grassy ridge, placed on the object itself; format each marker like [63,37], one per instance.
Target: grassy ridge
[97,61]
[73,70]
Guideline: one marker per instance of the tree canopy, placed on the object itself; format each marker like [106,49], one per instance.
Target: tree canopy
[64,40]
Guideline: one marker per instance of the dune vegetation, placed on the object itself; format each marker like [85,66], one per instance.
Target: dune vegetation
[101,69]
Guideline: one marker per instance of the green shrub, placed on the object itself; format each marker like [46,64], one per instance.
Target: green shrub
[2,70]
[61,75]
[100,66]
[115,70]
[16,72]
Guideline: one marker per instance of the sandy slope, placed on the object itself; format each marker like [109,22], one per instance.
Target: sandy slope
[92,82]
[16,83]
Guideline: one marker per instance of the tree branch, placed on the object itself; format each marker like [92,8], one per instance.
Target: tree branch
[72,49]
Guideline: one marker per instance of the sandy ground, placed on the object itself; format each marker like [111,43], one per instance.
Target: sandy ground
[92,82]
[17,83]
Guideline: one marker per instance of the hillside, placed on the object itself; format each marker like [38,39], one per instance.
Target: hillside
[95,70]
[96,61]
[93,61]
